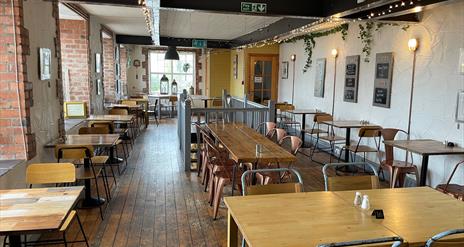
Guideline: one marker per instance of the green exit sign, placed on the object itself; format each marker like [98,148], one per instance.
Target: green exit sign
[199,43]
[260,8]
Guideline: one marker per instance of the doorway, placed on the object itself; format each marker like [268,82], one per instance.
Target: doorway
[263,73]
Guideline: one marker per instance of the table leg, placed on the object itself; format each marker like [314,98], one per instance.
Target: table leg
[347,143]
[303,126]
[159,108]
[232,231]
[15,240]
[89,201]
[206,103]
[424,168]
[234,171]
[112,159]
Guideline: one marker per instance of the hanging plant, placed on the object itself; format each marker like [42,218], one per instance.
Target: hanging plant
[310,42]
[366,36]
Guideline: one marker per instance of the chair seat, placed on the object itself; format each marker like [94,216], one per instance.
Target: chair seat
[455,190]
[399,165]
[68,220]
[361,149]
[97,160]
[289,122]
[331,138]
[86,173]
[315,131]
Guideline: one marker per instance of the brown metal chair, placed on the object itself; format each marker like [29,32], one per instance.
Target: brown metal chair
[325,135]
[339,183]
[455,190]
[364,133]
[396,168]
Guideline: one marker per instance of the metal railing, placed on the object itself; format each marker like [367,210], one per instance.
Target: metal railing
[233,110]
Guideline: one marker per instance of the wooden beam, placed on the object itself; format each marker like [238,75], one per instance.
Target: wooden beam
[168,41]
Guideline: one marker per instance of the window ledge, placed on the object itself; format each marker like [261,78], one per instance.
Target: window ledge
[8,165]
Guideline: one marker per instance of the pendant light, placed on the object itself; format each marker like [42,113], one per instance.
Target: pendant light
[171,53]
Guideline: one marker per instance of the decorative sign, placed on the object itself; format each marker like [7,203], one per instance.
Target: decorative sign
[45,56]
[75,110]
[460,107]
[258,79]
[383,79]
[199,43]
[319,84]
[351,79]
[236,66]
[284,70]
[248,7]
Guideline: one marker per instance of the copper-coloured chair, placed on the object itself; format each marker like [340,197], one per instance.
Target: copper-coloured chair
[270,129]
[280,134]
[455,190]
[396,168]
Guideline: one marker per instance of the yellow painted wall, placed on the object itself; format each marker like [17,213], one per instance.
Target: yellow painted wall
[218,75]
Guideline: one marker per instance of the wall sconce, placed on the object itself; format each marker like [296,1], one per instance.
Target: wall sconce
[334,53]
[412,44]
[293,57]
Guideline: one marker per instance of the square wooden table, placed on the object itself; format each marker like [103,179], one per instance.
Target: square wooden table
[24,211]
[425,148]
[348,125]
[303,113]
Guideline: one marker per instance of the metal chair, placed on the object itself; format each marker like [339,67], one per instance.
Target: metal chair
[456,190]
[435,240]
[327,135]
[339,183]
[295,143]
[269,129]
[271,188]
[397,241]
[364,132]
[280,134]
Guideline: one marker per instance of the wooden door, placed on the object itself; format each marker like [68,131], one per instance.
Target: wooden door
[262,78]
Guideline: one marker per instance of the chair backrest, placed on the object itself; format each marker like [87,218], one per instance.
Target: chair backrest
[74,152]
[103,124]
[281,133]
[129,102]
[389,134]
[272,188]
[93,130]
[173,99]
[452,174]
[369,132]
[50,173]
[438,241]
[118,111]
[319,118]
[397,242]
[270,128]
[295,143]
[339,183]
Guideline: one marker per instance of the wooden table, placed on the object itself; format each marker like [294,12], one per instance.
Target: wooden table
[204,98]
[348,125]
[308,219]
[144,102]
[415,214]
[113,118]
[425,148]
[160,97]
[303,113]
[298,219]
[24,211]
[130,107]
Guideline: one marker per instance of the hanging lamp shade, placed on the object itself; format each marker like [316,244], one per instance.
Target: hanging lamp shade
[171,53]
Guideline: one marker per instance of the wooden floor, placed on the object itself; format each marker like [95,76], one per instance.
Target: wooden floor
[156,203]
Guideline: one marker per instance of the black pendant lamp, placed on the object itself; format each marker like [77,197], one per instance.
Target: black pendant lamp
[171,53]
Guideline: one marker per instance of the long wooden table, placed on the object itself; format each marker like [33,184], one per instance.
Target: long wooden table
[240,140]
[113,118]
[25,211]
[308,219]
[425,148]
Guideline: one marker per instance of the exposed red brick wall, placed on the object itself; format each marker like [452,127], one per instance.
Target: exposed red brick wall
[75,58]
[123,62]
[109,83]
[16,138]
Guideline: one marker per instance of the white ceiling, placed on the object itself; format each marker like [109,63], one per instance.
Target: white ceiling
[176,23]
[68,14]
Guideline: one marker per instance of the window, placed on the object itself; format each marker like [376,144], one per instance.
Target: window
[182,70]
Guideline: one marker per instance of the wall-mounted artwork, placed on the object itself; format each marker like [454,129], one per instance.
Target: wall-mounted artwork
[351,79]
[319,83]
[45,61]
[383,79]
[285,70]
[98,63]
[98,86]
[235,66]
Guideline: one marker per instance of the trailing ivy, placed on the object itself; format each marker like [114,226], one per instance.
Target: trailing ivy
[310,43]
[366,37]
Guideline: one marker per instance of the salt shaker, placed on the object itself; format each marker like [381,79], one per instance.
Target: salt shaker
[357,199]
[365,202]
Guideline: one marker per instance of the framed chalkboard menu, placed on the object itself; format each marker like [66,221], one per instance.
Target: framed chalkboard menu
[351,79]
[383,79]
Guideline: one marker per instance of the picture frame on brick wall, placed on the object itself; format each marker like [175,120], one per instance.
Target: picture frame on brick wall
[98,86]
[98,63]
[45,60]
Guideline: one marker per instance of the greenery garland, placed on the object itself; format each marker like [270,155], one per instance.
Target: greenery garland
[310,43]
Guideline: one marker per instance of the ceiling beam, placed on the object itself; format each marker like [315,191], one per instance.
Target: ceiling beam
[168,41]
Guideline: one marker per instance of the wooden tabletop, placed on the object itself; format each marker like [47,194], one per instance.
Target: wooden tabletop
[301,219]
[161,96]
[425,146]
[35,210]
[415,214]
[116,118]
[344,124]
[304,111]
[203,97]
[132,107]
[97,140]
[241,140]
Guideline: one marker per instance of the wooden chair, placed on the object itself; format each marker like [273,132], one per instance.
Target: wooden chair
[364,133]
[455,190]
[328,136]
[288,121]
[129,102]
[396,168]
[397,242]
[439,241]
[315,129]
[339,183]
[84,153]
[55,173]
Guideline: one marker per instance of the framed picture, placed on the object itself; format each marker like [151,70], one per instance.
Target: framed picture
[98,86]
[98,63]
[235,66]
[383,79]
[75,110]
[460,107]
[319,83]
[351,79]
[45,60]
[285,70]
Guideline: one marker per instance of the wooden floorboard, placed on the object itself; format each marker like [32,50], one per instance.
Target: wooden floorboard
[157,203]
